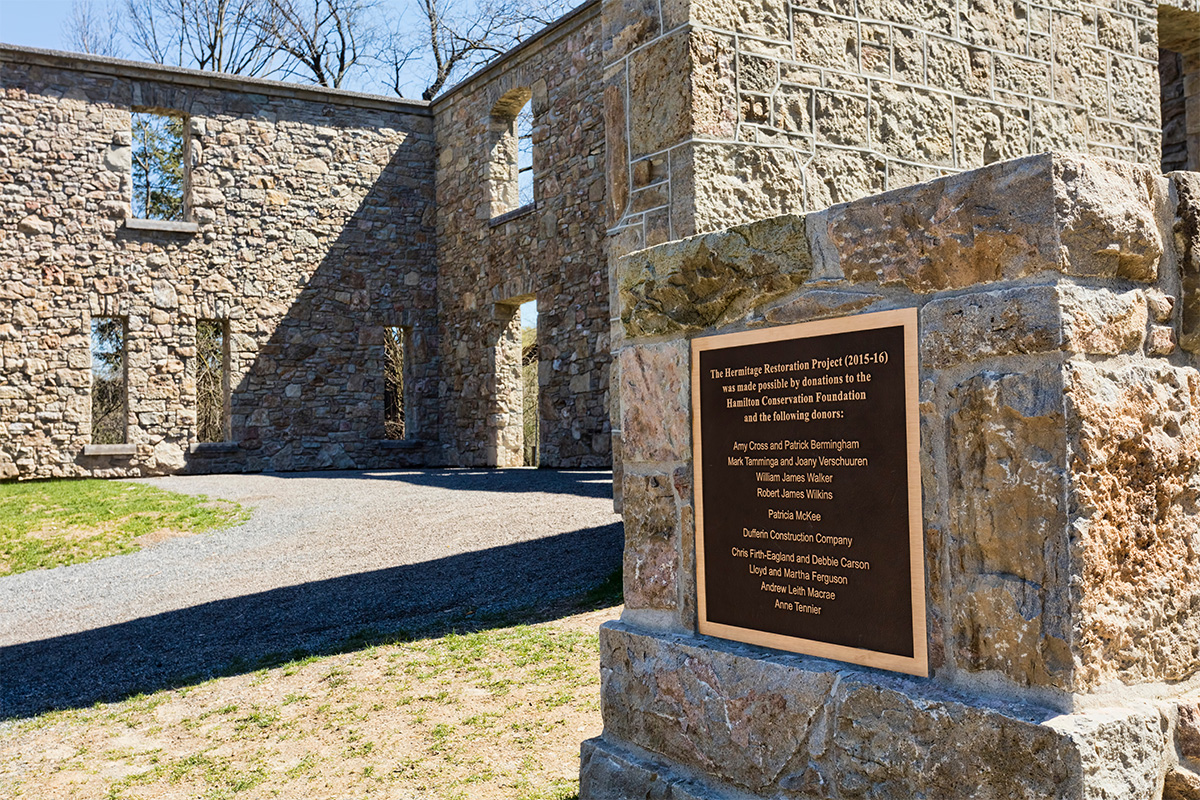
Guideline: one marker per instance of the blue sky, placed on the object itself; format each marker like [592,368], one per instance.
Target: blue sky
[34,23]
[42,23]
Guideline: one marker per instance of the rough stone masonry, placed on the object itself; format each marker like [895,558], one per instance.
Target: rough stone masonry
[1059,408]
[317,219]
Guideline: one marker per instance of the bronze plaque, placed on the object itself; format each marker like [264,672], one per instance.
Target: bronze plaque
[808,493]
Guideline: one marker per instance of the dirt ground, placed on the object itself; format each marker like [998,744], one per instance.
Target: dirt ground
[497,713]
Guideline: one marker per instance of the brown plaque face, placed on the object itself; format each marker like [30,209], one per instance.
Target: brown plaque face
[808,524]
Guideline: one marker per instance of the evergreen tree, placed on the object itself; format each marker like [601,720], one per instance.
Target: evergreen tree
[157,166]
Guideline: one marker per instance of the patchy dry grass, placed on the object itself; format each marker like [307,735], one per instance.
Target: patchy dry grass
[55,523]
[483,715]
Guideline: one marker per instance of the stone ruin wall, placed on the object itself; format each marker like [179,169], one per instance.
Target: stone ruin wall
[787,106]
[1059,303]
[553,251]
[314,228]
[794,106]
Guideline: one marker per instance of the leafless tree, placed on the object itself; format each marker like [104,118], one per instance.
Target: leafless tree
[324,39]
[94,29]
[214,35]
[456,36]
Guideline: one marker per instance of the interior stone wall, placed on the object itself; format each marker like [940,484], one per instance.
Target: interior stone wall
[1059,386]
[794,106]
[312,229]
[553,251]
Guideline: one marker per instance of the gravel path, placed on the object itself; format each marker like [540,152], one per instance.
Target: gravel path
[323,557]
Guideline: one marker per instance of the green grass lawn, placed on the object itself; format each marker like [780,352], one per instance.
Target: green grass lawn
[55,523]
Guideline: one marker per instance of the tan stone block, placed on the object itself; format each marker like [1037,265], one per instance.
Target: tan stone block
[986,133]
[660,110]
[1022,75]
[1102,322]
[1057,127]
[1006,451]
[714,80]
[989,324]
[707,715]
[792,109]
[839,176]
[987,225]
[953,66]
[651,563]
[841,119]
[767,19]
[736,183]
[1135,445]
[616,151]
[913,124]
[712,279]
[655,406]
[1106,218]
[825,41]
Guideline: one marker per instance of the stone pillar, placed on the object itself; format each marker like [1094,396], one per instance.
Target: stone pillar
[1060,473]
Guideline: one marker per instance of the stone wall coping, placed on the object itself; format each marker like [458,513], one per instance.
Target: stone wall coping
[109,449]
[132,70]
[509,216]
[564,26]
[164,225]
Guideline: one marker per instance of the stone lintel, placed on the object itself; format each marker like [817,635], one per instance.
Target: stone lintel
[1052,215]
[162,225]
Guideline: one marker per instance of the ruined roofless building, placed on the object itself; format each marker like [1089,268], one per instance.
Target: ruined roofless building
[319,228]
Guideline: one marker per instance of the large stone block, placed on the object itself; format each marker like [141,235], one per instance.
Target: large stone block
[1135,454]
[975,228]
[1081,217]
[712,279]
[660,97]
[1008,601]
[761,723]
[652,553]
[1106,216]
[655,428]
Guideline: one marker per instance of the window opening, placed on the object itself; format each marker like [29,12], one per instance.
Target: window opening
[525,155]
[510,153]
[395,357]
[1179,85]
[158,166]
[529,382]
[212,383]
[109,398]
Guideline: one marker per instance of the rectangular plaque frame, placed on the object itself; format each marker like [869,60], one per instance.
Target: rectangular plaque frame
[906,319]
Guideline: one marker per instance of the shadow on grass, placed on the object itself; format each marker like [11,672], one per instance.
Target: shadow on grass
[527,582]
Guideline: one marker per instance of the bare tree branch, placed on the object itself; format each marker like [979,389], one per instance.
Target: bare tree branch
[456,36]
[93,29]
[324,39]
[213,35]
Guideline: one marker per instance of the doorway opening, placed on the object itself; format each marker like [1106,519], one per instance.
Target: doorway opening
[529,383]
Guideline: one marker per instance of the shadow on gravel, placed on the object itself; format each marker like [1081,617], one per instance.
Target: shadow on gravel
[577,483]
[525,582]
